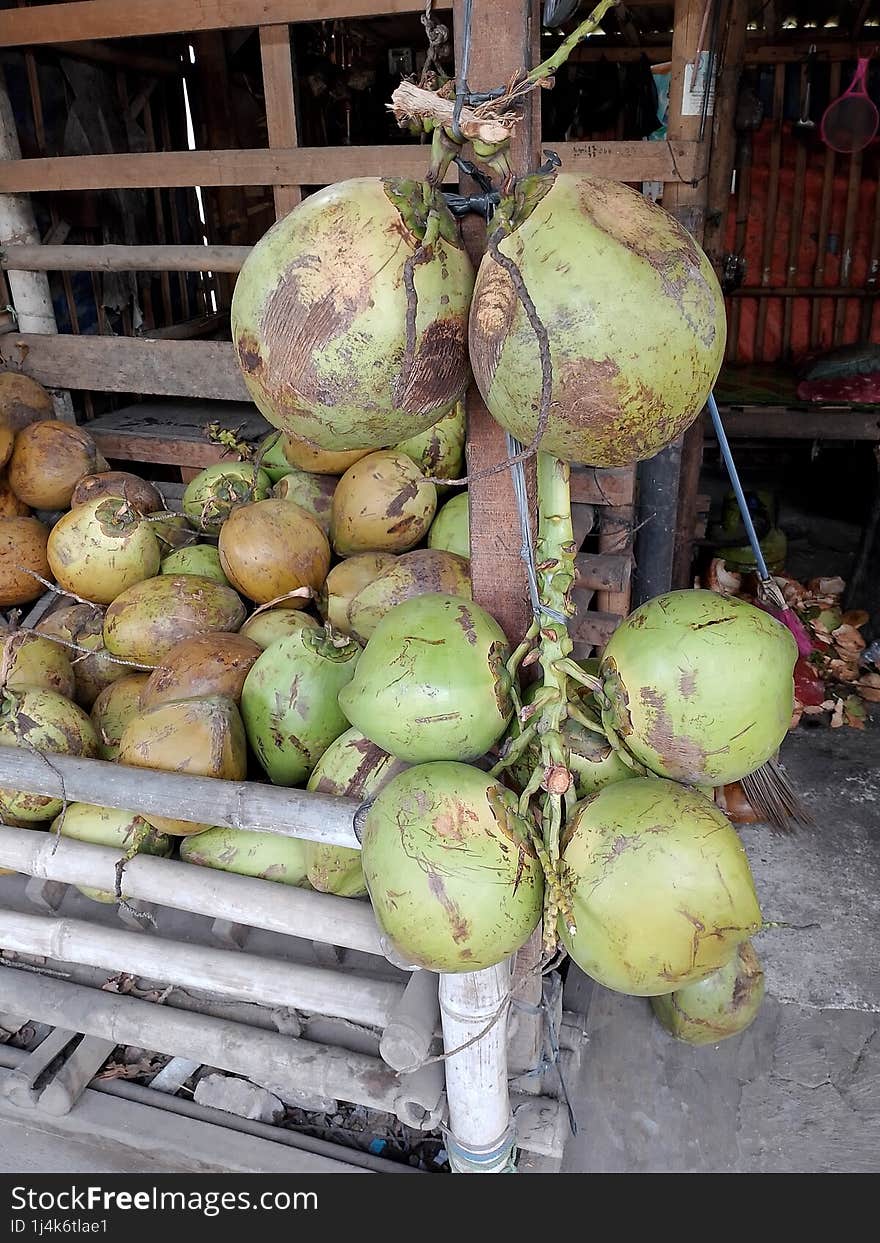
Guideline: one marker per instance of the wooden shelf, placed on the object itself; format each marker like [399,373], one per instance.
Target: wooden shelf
[793,423]
[173,432]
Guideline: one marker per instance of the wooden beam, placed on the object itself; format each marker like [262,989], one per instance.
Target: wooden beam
[603,571]
[127,365]
[121,58]
[109,19]
[783,423]
[280,99]
[595,485]
[37,258]
[314,166]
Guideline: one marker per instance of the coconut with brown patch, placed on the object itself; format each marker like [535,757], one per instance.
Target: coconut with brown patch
[44,723]
[11,506]
[453,877]
[196,668]
[625,315]
[349,317]
[22,556]
[48,461]
[83,626]
[272,548]
[418,573]
[439,451]
[116,705]
[121,485]
[101,548]
[313,493]
[722,1005]
[147,620]
[23,400]
[200,736]
[381,504]
[30,660]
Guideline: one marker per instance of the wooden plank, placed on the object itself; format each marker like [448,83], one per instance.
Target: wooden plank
[598,485]
[127,365]
[75,258]
[275,53]
[312,166]
[854,182]
[108,19]
[595,628]
[768,423]
[724,137]
[797,216]
[872,283]
[603,571]
[824,221]
[173,432]
[772,203]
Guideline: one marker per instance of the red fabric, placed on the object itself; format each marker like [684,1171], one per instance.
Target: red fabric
[863,389]
[746,348]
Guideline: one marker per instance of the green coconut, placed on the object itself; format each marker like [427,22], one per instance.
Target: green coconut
[43,723]
[419,573]
[101,548]
[699,686]
[350,333]
[124,831]
[146,621]
[432,683]
[272,459]
[344,582]
[266,628]
[450,530]
[453,877]
[351,767]
[381,504]
[29,660]
[201,559]
[204,737]
[662,890]
[313,493]
[113,709]
[268,856]
[83,625]
[594,257]
[439,451]
[210,498]
[289,702]
[722,1005]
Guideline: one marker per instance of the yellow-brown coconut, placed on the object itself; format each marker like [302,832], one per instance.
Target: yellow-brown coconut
[344,582]
[319,461]
[145,622]
[271,548]
[23,401]
[381,504]
[116,705]
[200,736]
[48,461]
[140,493]
[41,722]
[11,506]
[101,548]
[83,625]
[31,660]
[7,440]
[209,664]
[22,548]
[417,573]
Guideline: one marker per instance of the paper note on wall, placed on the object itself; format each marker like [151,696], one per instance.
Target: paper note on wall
[697,80]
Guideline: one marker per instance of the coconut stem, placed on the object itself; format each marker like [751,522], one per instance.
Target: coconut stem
[548,67]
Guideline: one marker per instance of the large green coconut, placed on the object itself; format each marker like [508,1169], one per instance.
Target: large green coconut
[83,625]
[313,493]
[269,856]
[663,894]
[210,498]
[204,737]
[351,767]
[350,333]
[432,683]
[344,582]
[146,621]
[633,313]
[289,702]
[114,708]
[450,530]
[722,1005]
[381,504]
[453,878]
[202,559]
[43,723]
[125,831]
[439,451]
[700,686]
[101,548]
[419,573]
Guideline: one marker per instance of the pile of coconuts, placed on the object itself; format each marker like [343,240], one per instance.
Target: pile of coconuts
[307,617]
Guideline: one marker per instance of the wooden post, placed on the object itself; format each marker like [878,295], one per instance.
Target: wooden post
[280,100]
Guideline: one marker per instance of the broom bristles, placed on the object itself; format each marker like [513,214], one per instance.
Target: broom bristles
[773,797]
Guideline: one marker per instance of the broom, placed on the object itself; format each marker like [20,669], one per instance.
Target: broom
[767,789]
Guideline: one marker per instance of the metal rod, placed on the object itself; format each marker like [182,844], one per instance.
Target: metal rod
[733,475]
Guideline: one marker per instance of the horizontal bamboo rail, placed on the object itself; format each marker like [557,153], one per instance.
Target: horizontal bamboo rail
[122,258]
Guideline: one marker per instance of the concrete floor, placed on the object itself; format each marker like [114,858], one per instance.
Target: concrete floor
[800,1090]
